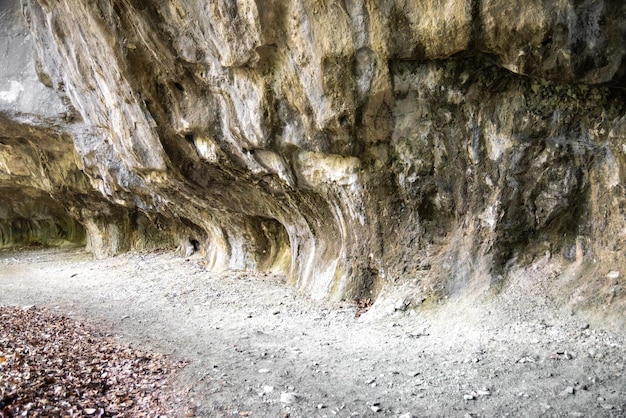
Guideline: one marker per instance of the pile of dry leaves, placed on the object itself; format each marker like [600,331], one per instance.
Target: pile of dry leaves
[363,305]
[51,365]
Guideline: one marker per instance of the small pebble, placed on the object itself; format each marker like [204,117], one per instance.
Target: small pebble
[288,397]
[613,274]
[401,305]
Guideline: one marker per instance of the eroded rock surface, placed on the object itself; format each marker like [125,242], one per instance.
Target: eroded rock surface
[358,146]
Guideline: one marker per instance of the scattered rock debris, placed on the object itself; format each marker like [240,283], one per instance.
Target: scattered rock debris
[51,365]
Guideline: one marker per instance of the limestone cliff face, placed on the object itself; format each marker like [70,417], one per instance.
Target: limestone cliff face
[355,145]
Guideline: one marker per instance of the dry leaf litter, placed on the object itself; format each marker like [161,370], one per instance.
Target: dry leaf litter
[52,365]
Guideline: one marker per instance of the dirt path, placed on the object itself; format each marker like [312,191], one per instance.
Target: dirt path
[257,348]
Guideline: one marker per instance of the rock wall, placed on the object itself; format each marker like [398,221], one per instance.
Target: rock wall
[356,145]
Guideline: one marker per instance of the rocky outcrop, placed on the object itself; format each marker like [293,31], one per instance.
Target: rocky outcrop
[355,145]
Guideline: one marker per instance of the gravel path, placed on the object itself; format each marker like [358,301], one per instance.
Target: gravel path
[257,348]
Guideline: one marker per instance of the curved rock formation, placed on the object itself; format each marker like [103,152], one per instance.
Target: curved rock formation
[355,145]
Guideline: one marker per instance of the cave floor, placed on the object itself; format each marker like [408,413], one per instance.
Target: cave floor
[258,348]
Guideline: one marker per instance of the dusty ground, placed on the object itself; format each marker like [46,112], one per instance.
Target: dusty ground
[257,348]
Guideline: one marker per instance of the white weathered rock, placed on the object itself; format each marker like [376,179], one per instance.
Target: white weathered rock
[289,397]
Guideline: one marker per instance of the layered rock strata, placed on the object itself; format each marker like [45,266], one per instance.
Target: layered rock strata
[354,145]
